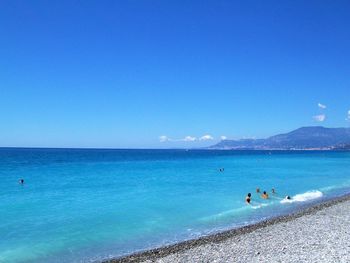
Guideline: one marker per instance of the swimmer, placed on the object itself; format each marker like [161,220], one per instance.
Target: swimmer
[258,190]
[287,197]
[248,198]
[21,181]
[264,195]
[273,190]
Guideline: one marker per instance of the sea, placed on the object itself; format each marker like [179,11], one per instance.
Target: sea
[87,205]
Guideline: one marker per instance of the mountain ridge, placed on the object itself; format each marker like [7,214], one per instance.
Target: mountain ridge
[304,138]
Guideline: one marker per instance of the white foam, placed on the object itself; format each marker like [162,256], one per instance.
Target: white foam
[307,196]
[258,206]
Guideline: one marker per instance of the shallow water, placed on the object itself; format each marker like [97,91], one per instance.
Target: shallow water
[87,205]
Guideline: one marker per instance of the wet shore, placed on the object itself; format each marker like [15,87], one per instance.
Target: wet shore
[318,233]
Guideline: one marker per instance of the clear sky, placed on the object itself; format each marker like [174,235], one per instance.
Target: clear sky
[124,73]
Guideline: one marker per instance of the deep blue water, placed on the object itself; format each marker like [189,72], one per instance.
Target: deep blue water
[80,205]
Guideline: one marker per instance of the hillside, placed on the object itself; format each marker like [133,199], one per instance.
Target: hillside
[314,137]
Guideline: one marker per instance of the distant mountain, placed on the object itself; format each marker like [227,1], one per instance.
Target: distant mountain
[314,137]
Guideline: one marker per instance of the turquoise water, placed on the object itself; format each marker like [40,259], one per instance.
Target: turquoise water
[89,205]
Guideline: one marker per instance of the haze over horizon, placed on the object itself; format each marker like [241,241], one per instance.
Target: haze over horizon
[170,74]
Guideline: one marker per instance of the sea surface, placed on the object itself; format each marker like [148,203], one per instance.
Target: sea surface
[86,205]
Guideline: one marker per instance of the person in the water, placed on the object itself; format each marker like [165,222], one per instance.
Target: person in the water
[21,181]
[258,190]
[288,197]
[264,195]
[248,198]
[273,190]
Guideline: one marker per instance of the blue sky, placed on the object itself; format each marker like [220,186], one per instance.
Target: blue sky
[124,73]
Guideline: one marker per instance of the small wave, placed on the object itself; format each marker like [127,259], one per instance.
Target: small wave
[330,188]
[233,212]
[310,195]
[224,214]
[258,206]
[345,184]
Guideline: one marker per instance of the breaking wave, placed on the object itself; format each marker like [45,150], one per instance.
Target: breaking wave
[307,196]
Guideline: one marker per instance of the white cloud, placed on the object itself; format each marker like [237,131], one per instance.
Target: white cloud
[348,117]
[189,139]
[320,118]
[163,138]
[206,137]
[223,137]
[322,106]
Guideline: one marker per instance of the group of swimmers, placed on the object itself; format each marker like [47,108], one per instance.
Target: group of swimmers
[264,195]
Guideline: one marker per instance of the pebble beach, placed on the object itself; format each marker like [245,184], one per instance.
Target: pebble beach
[320,233]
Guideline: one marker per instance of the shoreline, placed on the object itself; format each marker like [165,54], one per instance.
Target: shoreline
[161,252]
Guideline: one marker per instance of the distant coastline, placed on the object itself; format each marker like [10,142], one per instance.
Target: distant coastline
[211,148]
[314,138]
[279,149]
[335,148]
